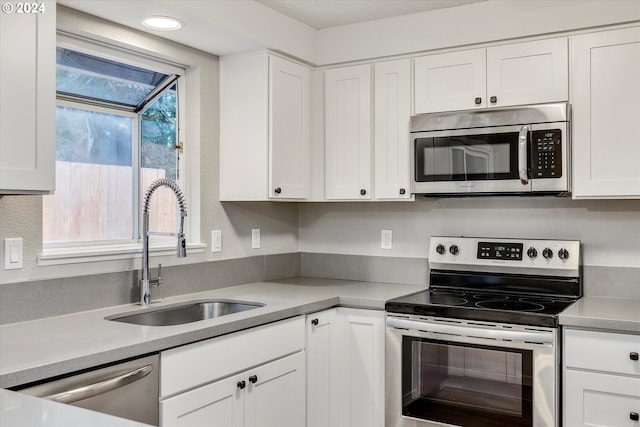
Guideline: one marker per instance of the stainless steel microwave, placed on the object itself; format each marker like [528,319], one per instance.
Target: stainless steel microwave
[515,150]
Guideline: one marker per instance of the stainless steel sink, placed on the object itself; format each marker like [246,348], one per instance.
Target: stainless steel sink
[178,314]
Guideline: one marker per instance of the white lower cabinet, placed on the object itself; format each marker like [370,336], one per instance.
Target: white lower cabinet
[345,368]
[601,379]
[253,378]
[222,401]
[270,395]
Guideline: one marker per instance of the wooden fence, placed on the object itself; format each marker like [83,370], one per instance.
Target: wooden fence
[95,202]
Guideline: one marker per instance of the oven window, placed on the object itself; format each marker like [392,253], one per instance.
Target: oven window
[466,385]
[467,158]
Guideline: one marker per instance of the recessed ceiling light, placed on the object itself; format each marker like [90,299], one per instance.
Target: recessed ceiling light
[164,23]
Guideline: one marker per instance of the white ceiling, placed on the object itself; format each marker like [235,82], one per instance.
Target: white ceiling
[224,27]
[321,14]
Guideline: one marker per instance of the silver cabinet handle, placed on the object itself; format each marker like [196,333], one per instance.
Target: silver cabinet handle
[522,155]
[101,387]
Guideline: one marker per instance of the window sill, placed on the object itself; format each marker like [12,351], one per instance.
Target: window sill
[80,254]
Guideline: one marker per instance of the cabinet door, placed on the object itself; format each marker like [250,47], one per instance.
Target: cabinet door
[528,73]
[275,394]
[450,81]
[595,399]
[27,101]
[289,130]
[348,133]
[322,372]
[361,392]
[392,93]
[222,401]
[604,96]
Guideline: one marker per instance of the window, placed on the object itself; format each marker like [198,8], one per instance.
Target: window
[116,132]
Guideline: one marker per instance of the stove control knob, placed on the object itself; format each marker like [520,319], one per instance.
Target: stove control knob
[441,249]
[532,252]
[563,253]
[547,253]
[454,250]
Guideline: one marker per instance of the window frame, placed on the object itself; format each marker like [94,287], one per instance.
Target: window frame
[107,250]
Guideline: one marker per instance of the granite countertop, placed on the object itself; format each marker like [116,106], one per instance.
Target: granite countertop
[40,349]
[602,313]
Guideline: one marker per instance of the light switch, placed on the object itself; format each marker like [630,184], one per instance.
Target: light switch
[216,241]
[255,238]
[13,253]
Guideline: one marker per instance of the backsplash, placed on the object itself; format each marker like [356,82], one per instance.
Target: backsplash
[32,300]
[602,281]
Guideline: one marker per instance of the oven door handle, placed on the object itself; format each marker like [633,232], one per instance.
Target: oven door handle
[522,155]
[543,337]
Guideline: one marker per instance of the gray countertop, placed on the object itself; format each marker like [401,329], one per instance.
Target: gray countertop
[20,410]
[40,349]
[612,314]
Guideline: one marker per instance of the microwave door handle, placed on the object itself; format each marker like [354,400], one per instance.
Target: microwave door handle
[522,155]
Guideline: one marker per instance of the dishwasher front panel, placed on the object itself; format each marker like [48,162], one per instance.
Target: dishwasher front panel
[127,390]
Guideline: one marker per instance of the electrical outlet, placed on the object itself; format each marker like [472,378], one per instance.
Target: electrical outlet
[255,238]
[216,241]
[386,239]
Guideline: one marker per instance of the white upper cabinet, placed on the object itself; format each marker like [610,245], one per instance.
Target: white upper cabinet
[348,142]
[392,105]
[28,101]
[605,89]
[450,81]
[514,74]
[265,128]
[533,72]
[289,131]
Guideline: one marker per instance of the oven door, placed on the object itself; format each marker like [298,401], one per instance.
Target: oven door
[461,373]
[504,159]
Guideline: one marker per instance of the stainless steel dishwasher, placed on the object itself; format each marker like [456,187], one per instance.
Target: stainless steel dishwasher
[127,390]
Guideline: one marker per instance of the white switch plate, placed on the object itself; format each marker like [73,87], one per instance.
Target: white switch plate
[216,240]
[255,238]
[386,239]
[13,253]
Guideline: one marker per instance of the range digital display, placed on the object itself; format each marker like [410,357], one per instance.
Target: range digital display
[502,251]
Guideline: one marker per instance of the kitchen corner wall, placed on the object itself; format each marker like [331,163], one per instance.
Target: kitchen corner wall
[608,229]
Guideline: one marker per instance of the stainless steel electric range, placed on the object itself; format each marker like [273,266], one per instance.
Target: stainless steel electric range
[480,346]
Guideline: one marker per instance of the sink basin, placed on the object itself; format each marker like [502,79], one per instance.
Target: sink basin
[187,312]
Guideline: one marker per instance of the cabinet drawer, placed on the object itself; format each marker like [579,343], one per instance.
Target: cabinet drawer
[602,351]
[195,364]
[594,399]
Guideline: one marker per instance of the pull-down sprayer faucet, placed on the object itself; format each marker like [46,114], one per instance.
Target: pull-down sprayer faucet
[145,282]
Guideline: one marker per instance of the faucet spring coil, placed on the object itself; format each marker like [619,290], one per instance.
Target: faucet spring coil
[173,186]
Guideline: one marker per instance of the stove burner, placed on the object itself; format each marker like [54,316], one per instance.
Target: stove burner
[510,305]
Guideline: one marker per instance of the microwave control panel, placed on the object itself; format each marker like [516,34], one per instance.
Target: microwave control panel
[546,153]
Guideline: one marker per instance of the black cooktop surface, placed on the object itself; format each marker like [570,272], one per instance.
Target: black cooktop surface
[490,307]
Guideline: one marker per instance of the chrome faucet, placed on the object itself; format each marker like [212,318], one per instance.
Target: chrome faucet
[145,282]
